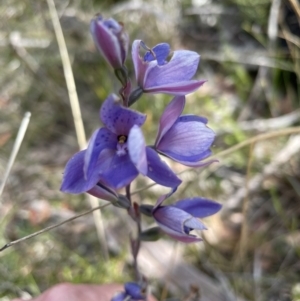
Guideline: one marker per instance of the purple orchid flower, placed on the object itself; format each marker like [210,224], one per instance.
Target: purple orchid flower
[154,74]
[116,154]
[179,219]
[133,292]
[111,40]
[186,138]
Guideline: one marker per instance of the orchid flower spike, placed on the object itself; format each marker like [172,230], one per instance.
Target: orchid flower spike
[179,219]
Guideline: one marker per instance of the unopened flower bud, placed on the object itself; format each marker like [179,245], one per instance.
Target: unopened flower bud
[135,95]
[111,40]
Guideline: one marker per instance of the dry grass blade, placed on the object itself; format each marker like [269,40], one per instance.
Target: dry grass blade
[69,77]
[18,142]
[296,7]
[261,137]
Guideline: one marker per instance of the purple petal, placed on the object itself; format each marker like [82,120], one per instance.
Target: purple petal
[111,24]
[106,42]
[169,116]
[196,164]
[175,219]
[198,207]
[179,88]
[182,67]
[189,160]
[183,237]
[190,118]
[158,170]
[103,192]
[134,291]
[105,160]
[188,140]
[100,140]
[137,149]
[119,119]
[140,66]
[194,223]
[120,172]
[165,222]
[74,180]
[161,52]
[121,35]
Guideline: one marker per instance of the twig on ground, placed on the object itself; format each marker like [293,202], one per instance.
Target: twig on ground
[264,125]
[254,58]
[68,72]
[15,150]
[14,40]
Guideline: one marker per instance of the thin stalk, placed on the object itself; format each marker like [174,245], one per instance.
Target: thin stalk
[12,243]
[136,253]
[134,213]
[128,194]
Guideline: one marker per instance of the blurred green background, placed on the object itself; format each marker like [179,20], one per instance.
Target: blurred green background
[250,55]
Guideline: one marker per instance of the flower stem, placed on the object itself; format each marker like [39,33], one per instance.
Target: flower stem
[128,194]
[137,244]
[134,213]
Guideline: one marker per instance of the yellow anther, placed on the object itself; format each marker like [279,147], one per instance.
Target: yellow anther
[122,139]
